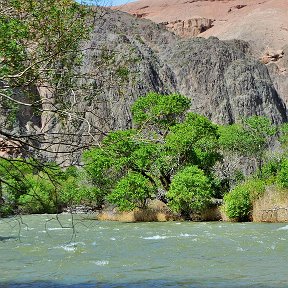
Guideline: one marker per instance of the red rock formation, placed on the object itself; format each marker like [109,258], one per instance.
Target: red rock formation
[189,28]
[260,22]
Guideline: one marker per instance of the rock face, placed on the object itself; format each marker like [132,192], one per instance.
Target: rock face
[263,24]
[132,57]
[128,57]
[224,82]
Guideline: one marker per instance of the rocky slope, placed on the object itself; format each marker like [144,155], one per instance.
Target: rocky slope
[263,24]
[222,79]
[128,57]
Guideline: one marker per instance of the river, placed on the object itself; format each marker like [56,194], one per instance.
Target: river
[41,252]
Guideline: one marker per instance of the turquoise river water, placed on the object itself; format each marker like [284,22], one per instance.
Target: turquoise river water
[41,252]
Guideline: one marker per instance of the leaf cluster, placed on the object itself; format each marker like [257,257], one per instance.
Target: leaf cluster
[32,187]
[163,143]
[238,203]
[249,138]
[190,191]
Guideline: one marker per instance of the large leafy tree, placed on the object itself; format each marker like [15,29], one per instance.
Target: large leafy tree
[190,191]
[40,43]
[41,50]
[165,139]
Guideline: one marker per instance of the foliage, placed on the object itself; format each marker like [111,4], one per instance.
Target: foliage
[162,144]
[282,175]
[194,141]
[40,196]
[13,176]
[41,51]
[28,185]
[250,138]
[190,191]
[284,138]
[40,39]
[131,192]
[75,189]
[32,187]
[269,171]
[238,203]
[160,110]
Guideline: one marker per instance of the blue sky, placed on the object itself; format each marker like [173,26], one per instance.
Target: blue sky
[120,2]
[108,2]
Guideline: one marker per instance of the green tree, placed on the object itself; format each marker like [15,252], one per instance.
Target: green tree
[132,191]
[40,196]
[282,174]
[284,138]
[40,43]
[163,111]
[194,141]
[162,143]
[13,183]
[41,50]
[250,138]
[190,191]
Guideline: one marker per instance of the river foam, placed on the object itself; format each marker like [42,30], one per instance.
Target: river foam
[283,228]
[100,263]
[156,237]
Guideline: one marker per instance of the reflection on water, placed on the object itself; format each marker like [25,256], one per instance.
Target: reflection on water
[111,254]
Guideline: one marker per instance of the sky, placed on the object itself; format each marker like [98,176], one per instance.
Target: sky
[108,2]
[120,2]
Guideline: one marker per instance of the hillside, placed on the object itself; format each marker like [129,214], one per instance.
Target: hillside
[132,57]
[263,24]
[127,57]
[250,20]
[72,97]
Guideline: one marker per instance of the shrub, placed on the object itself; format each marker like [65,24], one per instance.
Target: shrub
[190,191]
[238,203]
[40,197]
[162,110]
[282,175]
[132,192]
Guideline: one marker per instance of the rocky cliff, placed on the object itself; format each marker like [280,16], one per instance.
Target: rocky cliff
[263,24]
[127,57]
[222,78]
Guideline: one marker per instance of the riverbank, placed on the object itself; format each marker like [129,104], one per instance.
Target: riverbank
[272,207]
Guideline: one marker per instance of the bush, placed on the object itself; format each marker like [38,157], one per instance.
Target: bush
[162,110]
[132,192]
[282,175]
[270,171]
[190,191]
[40,197]
[238,203]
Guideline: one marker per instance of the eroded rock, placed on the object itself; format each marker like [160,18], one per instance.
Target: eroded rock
[189,28]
